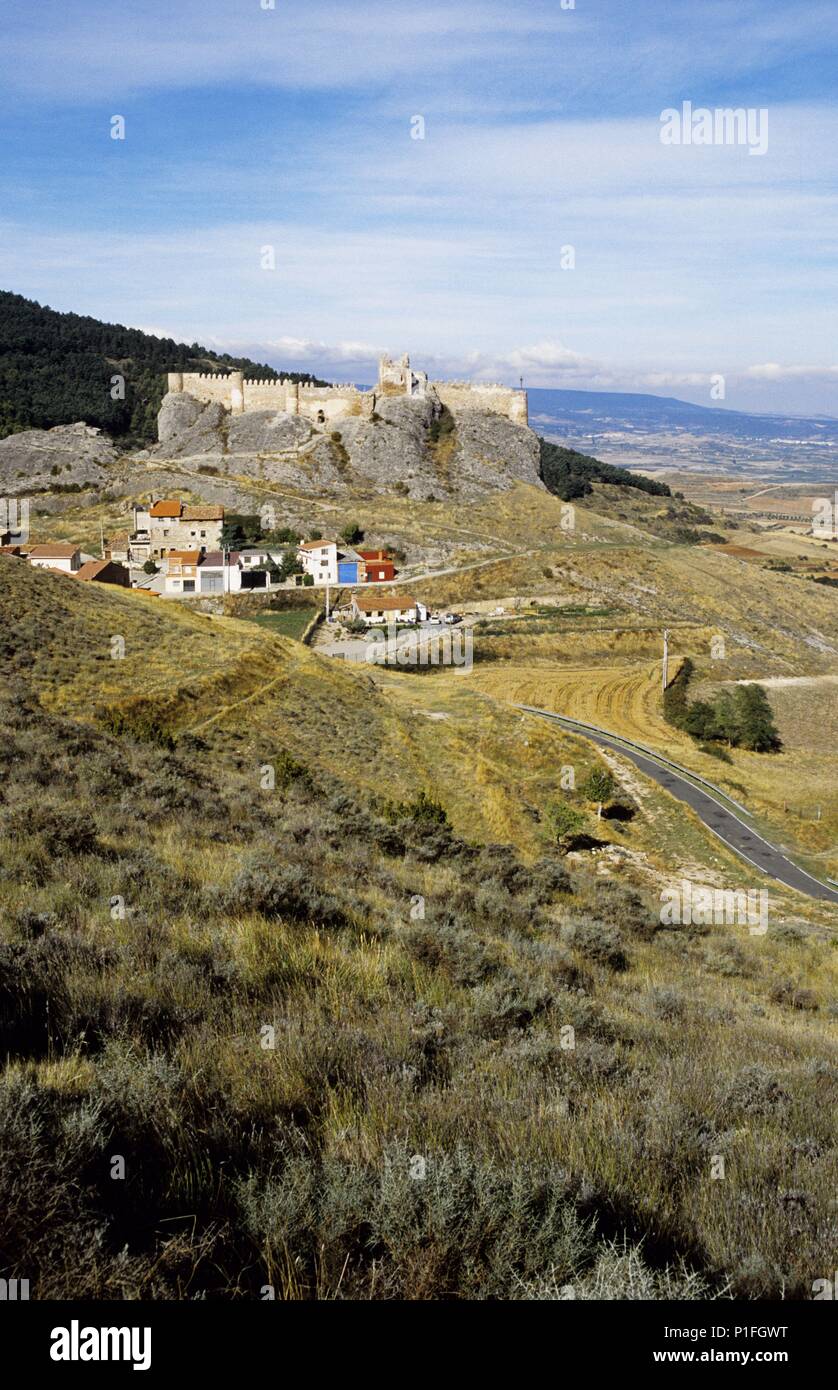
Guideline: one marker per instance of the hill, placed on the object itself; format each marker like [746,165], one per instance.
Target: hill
[57,369]
[593,412]
[569,474]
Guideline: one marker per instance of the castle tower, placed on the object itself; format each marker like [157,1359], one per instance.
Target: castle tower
[518,410]
[176,381]
[237,393]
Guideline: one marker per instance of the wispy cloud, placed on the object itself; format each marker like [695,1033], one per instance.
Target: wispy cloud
[291,128]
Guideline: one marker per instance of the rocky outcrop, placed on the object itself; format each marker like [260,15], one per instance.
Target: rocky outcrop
[66,456]
[411,445]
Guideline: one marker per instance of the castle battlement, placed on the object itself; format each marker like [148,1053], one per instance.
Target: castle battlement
[325,404]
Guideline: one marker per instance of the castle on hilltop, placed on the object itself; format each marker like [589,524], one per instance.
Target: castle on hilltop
[324,404]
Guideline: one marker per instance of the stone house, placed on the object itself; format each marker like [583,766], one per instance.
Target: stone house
[168,524]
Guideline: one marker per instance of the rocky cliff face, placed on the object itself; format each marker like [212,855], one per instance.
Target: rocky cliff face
[413,446]
[60,457]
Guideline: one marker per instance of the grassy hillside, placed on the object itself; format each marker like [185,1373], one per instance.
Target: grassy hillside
[354,1042]
[58,368]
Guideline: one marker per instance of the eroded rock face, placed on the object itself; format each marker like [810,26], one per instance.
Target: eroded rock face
[60,457]
[412,446]
[187,428]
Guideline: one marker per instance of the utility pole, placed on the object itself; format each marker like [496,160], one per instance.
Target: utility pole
[102,536]
[327,603]
[665,657]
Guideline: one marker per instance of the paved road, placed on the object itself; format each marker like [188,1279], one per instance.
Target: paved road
[723,823]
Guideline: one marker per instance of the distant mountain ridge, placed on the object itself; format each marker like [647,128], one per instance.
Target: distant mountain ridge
[591,412]
[59,368]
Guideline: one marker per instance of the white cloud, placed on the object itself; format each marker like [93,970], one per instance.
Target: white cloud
[775,371]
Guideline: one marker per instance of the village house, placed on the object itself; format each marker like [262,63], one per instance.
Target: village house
[320,560]
[56,555]
[252,561]
[104,572]
[384,609]
[182,572]
[118,548]
[329,564]
[231,571]
[166,525]
[378,567]
[351,568]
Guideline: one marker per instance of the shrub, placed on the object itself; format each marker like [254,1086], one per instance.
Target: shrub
[598,785]
[754,1090]
[564,821]
[795,997]
[280,892]
[64,831]
[600,943]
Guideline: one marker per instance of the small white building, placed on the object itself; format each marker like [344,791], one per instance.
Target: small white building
[320,560]
[56,556]
[378,610]
[231,571]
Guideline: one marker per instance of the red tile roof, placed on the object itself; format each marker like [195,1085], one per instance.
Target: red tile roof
[214,559]
[92,569]
[54,550]
[383,604]
[209,513]
[165,508]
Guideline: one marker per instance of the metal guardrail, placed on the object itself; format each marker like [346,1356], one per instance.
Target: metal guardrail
[639,748]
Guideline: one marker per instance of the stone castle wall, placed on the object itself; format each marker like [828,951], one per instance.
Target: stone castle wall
[324,404]
[499,400]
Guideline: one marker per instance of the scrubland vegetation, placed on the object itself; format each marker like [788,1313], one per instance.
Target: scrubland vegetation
[346,1051]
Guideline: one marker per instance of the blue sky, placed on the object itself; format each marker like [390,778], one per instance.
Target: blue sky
[291,128]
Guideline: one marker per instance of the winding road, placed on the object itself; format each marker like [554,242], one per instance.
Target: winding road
[724,823]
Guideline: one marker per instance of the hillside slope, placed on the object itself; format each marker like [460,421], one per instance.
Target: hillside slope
[270,1001]
[57,369]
